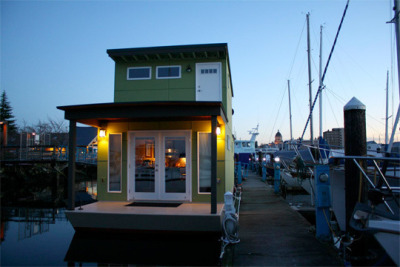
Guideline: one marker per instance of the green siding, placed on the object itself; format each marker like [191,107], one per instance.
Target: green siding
[181,89]
[185,83]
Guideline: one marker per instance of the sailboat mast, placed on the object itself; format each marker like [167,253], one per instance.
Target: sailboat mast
[397,30]
[290,111]
[326,68]
[387,108]
[320,83]
[309,77]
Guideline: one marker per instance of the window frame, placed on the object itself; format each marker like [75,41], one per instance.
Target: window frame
[169,77]
[142,78]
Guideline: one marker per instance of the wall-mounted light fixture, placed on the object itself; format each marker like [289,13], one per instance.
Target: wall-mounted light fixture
[188,68]
[218,130]
[102,133]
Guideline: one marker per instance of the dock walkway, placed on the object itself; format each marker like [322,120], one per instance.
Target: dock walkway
[273,234]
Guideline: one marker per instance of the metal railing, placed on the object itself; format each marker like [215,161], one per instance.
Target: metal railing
[377,180]
[47,153]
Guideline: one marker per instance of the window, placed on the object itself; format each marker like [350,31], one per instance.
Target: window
[168,72]
[114,162]
[204,162]
[139,73]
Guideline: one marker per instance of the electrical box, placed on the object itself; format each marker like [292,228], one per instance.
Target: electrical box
[323,196]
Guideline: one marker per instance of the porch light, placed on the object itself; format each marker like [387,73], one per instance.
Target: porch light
[277,159]
[102,133]
[188,68]
[218,131]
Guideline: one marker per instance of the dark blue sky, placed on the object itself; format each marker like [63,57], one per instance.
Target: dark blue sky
[54,53]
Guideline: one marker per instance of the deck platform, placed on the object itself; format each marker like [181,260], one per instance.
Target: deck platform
[117,216]
[273,234]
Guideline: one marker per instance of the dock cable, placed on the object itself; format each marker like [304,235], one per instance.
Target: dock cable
[346,243]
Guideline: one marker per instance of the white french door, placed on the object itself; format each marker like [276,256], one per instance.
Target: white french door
[159,165]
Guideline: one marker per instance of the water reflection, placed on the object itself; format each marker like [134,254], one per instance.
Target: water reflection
[45,237]
[34,236]
[143,249]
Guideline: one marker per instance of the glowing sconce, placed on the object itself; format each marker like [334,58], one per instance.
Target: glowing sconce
[102,133]
[218,130]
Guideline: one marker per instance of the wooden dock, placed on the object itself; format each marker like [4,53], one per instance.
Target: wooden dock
[273,234]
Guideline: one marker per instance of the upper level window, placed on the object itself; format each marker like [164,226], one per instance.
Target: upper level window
[168,72]
[139,73]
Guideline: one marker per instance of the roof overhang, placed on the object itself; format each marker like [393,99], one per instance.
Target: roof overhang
[179,52]
[98,114]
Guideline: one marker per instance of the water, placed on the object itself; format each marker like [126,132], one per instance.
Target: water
[34,237]
[44,237]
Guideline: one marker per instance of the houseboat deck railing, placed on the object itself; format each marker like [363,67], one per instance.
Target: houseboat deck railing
[47,153]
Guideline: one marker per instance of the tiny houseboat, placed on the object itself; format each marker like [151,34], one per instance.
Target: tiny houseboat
[165,145]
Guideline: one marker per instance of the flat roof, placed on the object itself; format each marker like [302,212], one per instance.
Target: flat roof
[216,51]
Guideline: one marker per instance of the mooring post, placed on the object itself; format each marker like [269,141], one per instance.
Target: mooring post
[239,172]
[355,144]
[264,172]
[71,165]
[323,202]
[277,176]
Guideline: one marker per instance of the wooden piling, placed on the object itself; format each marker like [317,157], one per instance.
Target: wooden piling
[355,144]
[71,165]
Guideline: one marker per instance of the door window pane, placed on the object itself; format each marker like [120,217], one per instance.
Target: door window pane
[175,165]
[144,164]
[204,162]
[115,163]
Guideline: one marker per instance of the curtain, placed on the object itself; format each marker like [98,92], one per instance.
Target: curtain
[204,162]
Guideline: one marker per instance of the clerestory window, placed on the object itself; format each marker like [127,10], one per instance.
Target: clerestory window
[139,73]
[168,72]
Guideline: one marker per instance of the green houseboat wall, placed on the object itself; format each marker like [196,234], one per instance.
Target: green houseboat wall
[229,142]
[224,165]
[180,89]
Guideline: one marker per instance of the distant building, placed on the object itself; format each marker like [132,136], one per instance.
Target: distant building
[278,138]
[86,136]
[335,138]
